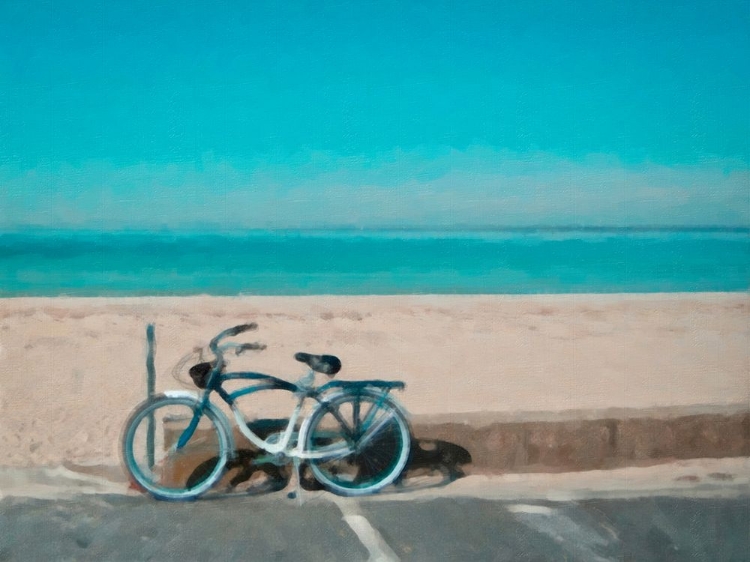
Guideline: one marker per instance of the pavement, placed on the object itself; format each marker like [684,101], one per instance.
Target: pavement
[116,528]
[687,510]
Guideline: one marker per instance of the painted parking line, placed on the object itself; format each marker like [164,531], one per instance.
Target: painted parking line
[368,535]
[572,529]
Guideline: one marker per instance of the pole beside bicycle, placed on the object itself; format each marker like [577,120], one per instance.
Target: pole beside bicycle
[150,390]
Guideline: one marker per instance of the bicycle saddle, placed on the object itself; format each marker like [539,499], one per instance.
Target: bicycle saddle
[326,364]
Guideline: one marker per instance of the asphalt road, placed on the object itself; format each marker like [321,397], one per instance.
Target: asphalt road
[325,529]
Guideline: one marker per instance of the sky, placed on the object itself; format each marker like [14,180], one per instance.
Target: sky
[373,114]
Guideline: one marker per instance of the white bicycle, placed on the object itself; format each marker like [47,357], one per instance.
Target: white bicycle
[356,439]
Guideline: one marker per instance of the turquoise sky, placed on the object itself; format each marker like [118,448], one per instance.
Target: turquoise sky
[373,114]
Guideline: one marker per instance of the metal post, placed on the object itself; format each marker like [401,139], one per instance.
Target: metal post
[150,389]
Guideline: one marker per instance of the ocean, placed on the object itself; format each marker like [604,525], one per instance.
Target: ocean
[523,261]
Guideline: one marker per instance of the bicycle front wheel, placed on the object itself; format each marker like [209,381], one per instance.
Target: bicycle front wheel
[363,439]
[155,462]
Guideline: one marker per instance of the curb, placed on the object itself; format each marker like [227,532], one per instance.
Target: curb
[587,441]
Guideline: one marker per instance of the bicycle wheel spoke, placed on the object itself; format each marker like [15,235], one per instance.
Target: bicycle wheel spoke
[355,417]
[375,428]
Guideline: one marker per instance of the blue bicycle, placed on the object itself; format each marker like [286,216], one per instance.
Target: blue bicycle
[355,438]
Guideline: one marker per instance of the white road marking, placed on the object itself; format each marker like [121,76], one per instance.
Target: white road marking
[535,509]
[368,535]
[583,539]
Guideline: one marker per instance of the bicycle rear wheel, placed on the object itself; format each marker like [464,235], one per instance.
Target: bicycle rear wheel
[368,440]
[154,462]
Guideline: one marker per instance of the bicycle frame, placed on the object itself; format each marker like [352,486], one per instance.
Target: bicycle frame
[303,390]
[266,382]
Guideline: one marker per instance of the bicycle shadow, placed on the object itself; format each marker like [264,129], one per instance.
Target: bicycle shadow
[432,463]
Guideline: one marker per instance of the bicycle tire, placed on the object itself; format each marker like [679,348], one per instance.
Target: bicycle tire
[159,469]
[375,459]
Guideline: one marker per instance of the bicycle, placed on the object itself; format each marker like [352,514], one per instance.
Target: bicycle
[356,439]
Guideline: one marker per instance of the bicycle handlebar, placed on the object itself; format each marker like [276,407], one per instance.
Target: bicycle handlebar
[232,332]
[241,328]
[243,347]
[236,330]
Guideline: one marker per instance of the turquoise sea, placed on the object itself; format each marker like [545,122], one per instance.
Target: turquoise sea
[76,263]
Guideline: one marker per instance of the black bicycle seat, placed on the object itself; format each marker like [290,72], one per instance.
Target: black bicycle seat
[326,364]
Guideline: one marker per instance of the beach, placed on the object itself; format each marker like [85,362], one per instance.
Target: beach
[71,369]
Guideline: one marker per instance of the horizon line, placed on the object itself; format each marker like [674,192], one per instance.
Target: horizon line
[377,229]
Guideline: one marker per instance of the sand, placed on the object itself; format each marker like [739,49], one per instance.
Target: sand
[71,369]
